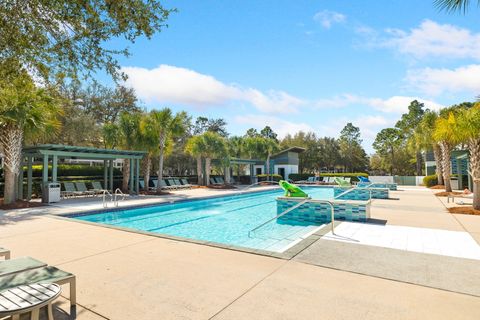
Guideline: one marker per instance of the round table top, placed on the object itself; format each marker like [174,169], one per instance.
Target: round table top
[27,297]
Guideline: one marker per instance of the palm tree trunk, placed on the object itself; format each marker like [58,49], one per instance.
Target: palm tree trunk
[125,174]
[418,156]
[11,139]
[227,175]
[474,146]
[160,159]
[207,171]
[437,153]
[147,163]
[446,154]
[199,171]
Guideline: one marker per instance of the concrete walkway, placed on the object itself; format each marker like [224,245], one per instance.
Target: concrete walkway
[124,275]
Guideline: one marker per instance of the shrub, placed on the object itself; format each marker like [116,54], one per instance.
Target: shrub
[73,170]
[274,177]
[430,181]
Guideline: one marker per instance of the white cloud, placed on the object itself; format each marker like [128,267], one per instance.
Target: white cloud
[280,126]
[437,81]
[394,104]
[327,18]
[399,104]
[180,85]
[429,39]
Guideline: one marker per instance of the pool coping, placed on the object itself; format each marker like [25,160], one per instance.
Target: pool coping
[288,254]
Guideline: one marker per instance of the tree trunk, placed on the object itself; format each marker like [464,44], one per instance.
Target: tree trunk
[267,166]
[474,146]
[227,175]
[11,139]
[437,153]
[207,171]
[160,160]
[418,156]
[146,165]
[199,171]
[446,154]
[126,175]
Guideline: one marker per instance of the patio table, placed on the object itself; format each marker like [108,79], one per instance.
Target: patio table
[28,298]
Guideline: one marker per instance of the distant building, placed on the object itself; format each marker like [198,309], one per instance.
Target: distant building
[460,164]
[283,163]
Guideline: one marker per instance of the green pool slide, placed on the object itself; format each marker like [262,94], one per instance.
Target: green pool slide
[292,190]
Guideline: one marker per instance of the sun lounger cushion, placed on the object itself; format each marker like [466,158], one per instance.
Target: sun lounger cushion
[19,264]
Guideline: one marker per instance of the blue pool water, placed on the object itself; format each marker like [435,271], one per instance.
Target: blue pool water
[225,220]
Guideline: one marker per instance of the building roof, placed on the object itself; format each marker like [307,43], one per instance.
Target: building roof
[81,152]
[291,149]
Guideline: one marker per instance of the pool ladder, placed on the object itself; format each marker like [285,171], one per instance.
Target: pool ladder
[113,198]
[332,211]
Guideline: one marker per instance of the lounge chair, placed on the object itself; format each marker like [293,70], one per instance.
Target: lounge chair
[70,190]
[327,180]
[97,187]
[43,274]
[342,182]
[19,265]
[5,253]
[165,186]
[463,196]
[185,182]
[213,181]
[363,179]
[171,182]
[82,187]
[220,180]
[178,184]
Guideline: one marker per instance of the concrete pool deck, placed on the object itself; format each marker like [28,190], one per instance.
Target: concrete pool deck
[124,275]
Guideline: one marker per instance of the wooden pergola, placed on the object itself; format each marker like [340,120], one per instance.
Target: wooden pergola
[54,152]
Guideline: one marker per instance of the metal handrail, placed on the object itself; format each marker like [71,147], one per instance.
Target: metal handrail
[105,192]
[115,200]
[295,207]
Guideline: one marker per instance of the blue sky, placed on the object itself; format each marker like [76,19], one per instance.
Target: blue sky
[307,65]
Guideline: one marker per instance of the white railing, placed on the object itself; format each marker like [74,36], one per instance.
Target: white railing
[113,198]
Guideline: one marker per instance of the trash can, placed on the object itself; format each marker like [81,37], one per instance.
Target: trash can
[51,192]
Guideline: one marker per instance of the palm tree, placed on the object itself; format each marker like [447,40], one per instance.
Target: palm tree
[236,149]
[129,129]
[195,146]
[149,143]
[167,126]
[25,111]
[446,134]
[468,125]
[424,139]
[453,5]
[215,148]
[270,146]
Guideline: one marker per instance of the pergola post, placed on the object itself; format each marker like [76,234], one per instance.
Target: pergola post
[110,169]
[105,174]
[45,169]
[137,176]
[251,173]
[20,181]
[54,167]
[29,177]
[132,164]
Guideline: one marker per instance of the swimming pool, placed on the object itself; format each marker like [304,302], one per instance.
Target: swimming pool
[225,220]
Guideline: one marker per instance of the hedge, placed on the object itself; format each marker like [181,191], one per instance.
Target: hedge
[274,177]
[305,176]
[430,181]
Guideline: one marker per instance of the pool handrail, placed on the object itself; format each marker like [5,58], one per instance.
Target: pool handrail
[351,190]
[332,209]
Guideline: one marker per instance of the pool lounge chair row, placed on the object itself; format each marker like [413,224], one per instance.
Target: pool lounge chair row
[217,180]
[168,184]
[79,189]
[326,180]
[26,271]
